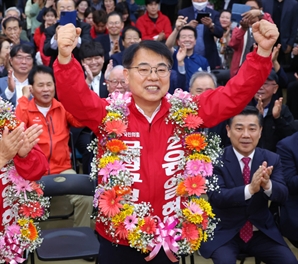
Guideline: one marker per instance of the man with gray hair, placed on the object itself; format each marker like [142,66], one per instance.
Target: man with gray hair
[115,80]
[201,82]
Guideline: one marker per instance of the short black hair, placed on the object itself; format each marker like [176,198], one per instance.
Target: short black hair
[88,11]
[114,13]
[248,110]
[188,28]
[100,16]
[148,2]
[131,28]
[39,69]
[80,1]
[9,19]
[26,48]
[258,2]
[91,49]
[155,46]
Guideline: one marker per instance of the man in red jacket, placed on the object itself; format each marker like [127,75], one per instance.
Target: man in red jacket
[147,66]
[153,24]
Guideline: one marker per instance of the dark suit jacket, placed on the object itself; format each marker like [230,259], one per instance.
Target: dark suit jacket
[289,20]
[211,53]
[117,58]
[50,32]
[104,40]
[103,91]
[231,207]
[288,151]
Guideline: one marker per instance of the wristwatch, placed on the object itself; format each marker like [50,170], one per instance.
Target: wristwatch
[261,14]
[211,26]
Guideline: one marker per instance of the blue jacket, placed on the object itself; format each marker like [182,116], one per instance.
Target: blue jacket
[211,52]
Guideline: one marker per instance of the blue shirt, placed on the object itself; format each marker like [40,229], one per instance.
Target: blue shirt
[192,64]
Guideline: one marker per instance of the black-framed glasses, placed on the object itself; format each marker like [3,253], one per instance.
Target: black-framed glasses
[145,70]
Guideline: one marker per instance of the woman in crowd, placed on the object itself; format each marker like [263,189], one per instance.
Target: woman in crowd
[5,44]
[88,15]
[81,7]
[225,53]
[109,5]
[123,9]
[49,18]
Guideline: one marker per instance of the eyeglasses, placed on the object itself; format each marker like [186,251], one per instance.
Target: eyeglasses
[266,84]
[116,82]
[116,23]
[21,58]
[145,70]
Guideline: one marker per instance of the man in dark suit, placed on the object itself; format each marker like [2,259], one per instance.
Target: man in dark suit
[50,45]
[287,149]
[112,42]
[284,14]
[248,179]
[207,29]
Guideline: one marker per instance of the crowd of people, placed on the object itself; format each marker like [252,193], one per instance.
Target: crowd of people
[61,73]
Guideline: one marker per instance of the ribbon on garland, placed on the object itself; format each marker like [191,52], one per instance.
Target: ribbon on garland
[167,235]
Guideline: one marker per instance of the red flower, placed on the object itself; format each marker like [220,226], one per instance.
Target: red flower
[150,225]
[189,231]
[116,126]
[121,231]
[109,203]
[205,221]
[32,210]
[36,187]
[195,185]
[192,121]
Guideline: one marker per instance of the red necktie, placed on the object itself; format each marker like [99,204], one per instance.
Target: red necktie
[246,231]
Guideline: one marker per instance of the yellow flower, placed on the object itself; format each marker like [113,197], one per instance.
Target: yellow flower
[191,217]
[205,205]
[108,159]
[134,236]
[141,222]
[198,156]
[205,236]
[23,222]
[180,114]
[111,116]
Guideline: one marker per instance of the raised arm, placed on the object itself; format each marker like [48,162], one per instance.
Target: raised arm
[73,92]
[222,103]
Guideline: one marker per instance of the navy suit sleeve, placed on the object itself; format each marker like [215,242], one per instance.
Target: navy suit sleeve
[289,158]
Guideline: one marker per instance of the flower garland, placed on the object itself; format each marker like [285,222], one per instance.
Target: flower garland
[134,222]
[25,200]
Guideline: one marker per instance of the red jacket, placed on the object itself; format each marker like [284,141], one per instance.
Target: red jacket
[30,168]
[160,154]
[150,29]
[55,137]
[237,44]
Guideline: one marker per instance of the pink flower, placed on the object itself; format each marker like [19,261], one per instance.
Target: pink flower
[194,167]
[192,121]
[22,186]
[115,167]
[194,208]
[131,221]
[105,173]
[14,176]
[182,94]
[118,96]
[14,229]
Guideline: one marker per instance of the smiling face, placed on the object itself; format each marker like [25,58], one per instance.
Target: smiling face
[114,25]
[225,19]
[201,84]
[43,89]
[21,63]
[187,39]
[244,133]
[49,19]
[266,92]
[131,37]
[148,90]
[95,64]
[82,7]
